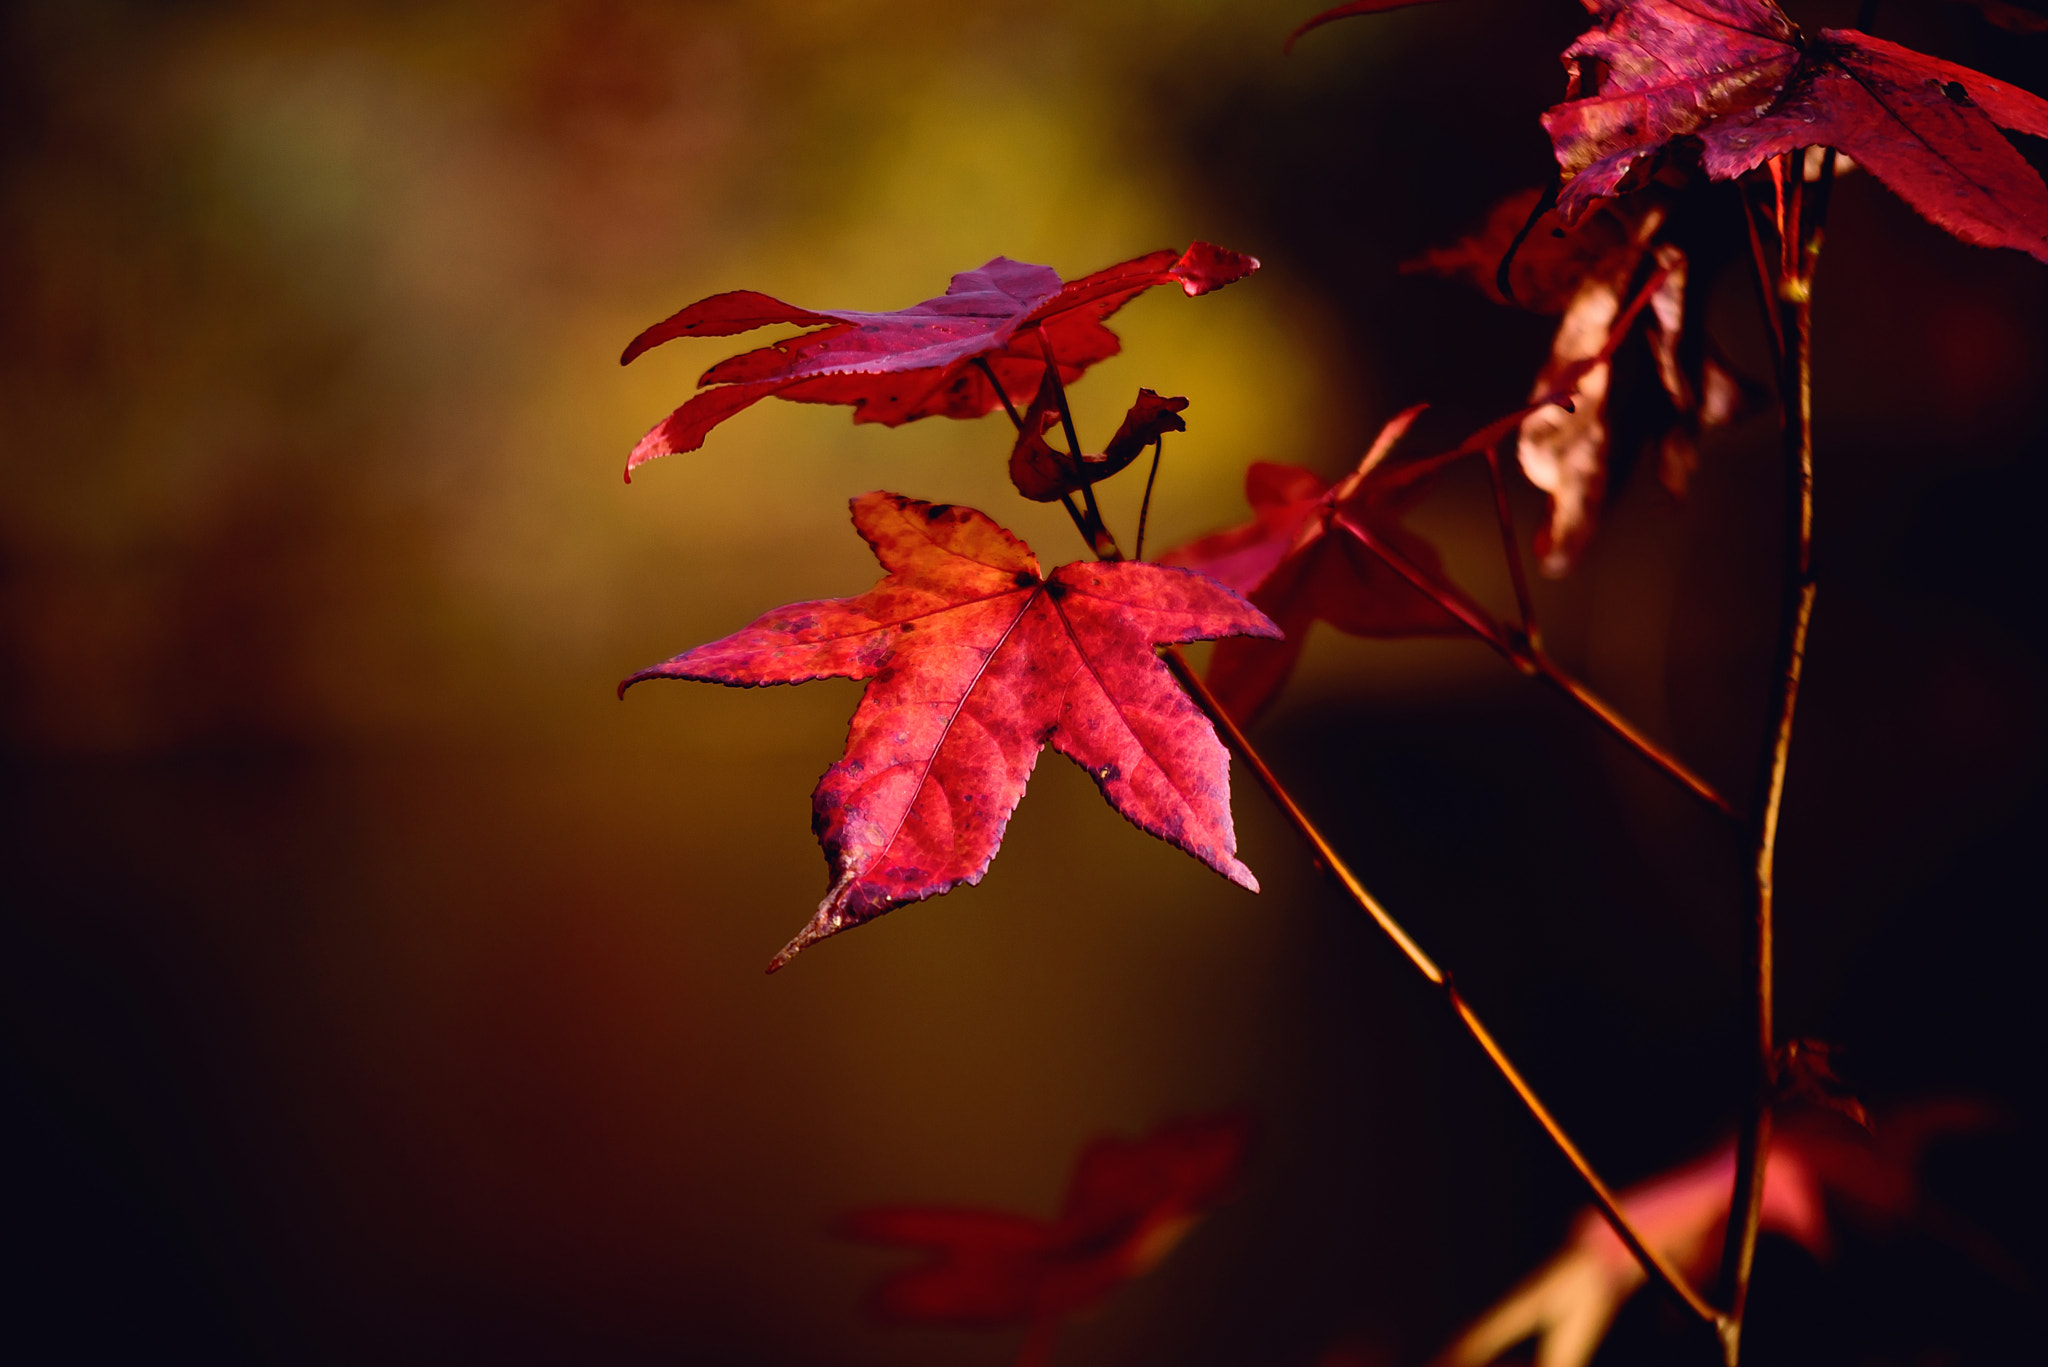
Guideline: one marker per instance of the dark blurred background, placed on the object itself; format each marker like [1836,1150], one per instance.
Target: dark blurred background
[374,987]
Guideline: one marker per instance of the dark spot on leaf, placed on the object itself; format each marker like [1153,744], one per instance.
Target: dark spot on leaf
[1025,579]
[1956,94]
[937,511]
[1055,591]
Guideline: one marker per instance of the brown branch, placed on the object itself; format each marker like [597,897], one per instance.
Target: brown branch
[1767,295]
[1528,657]
[1525,605]
[1792,295]
[1327,858]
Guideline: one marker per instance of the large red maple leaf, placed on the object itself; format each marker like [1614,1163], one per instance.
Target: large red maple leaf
[1306,557]
[935,357]
[1127,1205]
[1738,76]
[976,661]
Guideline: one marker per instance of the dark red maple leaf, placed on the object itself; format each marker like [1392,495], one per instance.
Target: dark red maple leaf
[924,360]
[1304,558]
[1740,78]
[1129,1202]
[976,661]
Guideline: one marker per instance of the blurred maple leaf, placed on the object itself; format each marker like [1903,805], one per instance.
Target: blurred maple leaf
[2013,18]
[1584,271]
[1570,1302]
[976,661]
[935,357]
[1740,77]
[1128,1204]
[1339,554]
[1304,558]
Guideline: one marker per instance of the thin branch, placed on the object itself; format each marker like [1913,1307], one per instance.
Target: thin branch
[1544,204]
[1525,606]
[1766,296]
[1792,294]
[1326,856]
[1530,659]
[1016,418]
[1145,508]
[1080,519]
[1099,533]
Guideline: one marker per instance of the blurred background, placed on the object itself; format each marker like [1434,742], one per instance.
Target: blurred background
[375,987]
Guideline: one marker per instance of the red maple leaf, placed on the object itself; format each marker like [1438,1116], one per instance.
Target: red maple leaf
[1305,557]
[1128,1203]
[926,359]
[1739,77]
[976,662]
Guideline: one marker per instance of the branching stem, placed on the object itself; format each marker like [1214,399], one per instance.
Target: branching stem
[1016,418]
[1327,858]
[1523,652]
[1791,294]
[1095,529]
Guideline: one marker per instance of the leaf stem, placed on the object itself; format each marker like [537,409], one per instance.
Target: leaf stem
[1327,858]
[1767,295]
[1016,418]
[1792,295]
[1145,508]
[1096,530]
[1525,607]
